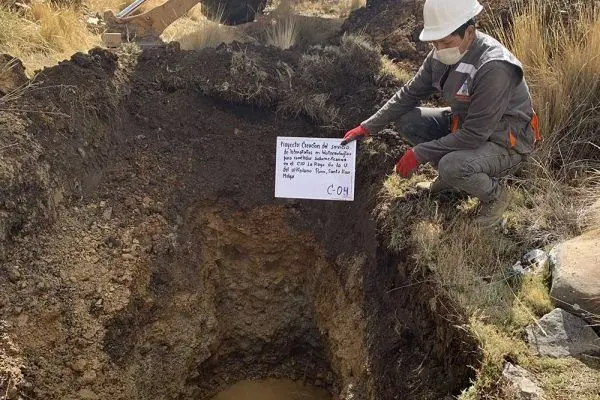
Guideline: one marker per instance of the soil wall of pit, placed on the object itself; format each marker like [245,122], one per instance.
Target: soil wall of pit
[144,256]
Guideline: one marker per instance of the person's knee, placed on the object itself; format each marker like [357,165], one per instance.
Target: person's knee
[411,123]
[452,168]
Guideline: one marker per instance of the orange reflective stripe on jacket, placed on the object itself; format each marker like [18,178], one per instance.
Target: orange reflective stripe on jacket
[454,123]
[535,125]
[512,139]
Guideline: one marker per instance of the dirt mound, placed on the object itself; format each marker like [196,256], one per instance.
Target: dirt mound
[12,74]
[144,256]
[396,24]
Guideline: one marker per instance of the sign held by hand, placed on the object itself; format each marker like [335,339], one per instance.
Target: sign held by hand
[314,168]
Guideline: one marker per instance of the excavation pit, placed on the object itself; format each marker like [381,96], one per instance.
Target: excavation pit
[144,256]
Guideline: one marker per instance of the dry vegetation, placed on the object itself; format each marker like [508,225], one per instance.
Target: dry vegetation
[42,34]
[328,8]
[561,61]
[555,197]
[48,32]
[283,33]
[195,31]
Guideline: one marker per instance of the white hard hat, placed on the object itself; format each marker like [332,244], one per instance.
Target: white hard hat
[442,17]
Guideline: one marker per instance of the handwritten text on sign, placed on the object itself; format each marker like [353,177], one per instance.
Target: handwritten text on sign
[320,169]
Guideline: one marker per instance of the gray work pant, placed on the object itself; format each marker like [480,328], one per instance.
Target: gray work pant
[477,171]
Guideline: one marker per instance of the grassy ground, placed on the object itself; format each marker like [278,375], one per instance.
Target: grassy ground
[552,199]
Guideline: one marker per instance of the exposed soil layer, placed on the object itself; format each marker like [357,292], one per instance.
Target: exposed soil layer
[144,256]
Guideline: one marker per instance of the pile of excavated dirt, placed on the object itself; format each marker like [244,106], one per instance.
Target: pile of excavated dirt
[144,256]
[396,24]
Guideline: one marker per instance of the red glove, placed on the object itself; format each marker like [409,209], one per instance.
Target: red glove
[407,164]
[357,133]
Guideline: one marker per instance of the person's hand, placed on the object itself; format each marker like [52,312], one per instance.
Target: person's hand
[407,164]
[357,133]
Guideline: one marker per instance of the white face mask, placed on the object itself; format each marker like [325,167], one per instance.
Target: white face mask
[449,56]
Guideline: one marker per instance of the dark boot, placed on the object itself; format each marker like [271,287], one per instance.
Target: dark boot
[491,214]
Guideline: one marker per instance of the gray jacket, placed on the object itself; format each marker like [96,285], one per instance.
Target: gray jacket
[486,90]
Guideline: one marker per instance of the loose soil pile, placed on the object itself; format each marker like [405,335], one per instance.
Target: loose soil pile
[396,24]
[144,256]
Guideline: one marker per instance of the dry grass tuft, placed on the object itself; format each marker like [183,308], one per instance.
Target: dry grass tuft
[560,56]
[283,33]
[249,82]
[328,8]
[44,34]
[20,36]
[356,60]
[199,33]
[313,106]
[62,28]
[546,211]
[100,6]
[392,74]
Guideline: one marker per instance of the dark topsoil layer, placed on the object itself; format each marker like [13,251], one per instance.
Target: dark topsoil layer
[199,127]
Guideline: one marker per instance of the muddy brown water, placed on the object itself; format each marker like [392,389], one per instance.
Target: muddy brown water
[272,389]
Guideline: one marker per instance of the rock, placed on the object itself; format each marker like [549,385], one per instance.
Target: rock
[107,213]
[22,320]
[147,202]
[87,394]
[13,273]
[536,259]
[576,274]
[522,382]
[90,333]
[89,376]
[78,365]
[127,256]
[563,335]
[533,262]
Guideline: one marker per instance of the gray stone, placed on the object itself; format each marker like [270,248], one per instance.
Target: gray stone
[562,334]
[576,275]
[536,259]
[522,382]
[534,262]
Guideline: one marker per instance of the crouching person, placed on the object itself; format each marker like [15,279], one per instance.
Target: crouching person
[489,126]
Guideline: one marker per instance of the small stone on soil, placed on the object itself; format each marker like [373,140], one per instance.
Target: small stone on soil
[78,365]
[107,214]
[87,394]
[13,274]
[89,376]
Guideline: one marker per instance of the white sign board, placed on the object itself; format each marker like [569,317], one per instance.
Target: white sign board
[311,168]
